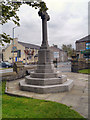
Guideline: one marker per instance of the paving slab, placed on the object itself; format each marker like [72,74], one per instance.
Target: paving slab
[77,98]
[56,96]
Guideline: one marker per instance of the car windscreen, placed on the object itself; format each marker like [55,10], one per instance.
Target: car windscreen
[7,63]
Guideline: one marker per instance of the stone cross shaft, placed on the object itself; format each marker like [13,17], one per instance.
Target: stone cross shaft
[45,17]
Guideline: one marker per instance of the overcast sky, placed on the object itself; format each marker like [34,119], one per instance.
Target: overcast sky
[68,23]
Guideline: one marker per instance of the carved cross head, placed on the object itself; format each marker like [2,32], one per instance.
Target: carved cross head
[44,15]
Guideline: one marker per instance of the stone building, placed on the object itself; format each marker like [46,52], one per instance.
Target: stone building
[0,57]
[83,47]
[0,54]
[58,54]
[28,53]
[19,51]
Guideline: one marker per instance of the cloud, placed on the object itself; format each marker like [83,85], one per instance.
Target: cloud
[68,22]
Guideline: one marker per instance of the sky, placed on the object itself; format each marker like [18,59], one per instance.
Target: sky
[68,23]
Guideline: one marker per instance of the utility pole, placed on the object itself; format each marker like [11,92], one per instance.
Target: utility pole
[13,44]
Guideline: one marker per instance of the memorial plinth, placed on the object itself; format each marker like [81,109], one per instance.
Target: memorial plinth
[44,79]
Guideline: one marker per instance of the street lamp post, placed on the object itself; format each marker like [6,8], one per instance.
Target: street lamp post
[13,44]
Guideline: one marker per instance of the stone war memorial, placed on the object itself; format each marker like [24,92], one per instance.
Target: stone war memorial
[44,79]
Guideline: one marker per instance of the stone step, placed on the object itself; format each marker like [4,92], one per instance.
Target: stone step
[66,86]
[44,71]
[43,75]
[45,81]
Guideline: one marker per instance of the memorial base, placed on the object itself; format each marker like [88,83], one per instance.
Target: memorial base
[44,79]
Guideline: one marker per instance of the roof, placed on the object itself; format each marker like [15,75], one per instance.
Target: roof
[55,48]
[28,45]
[84,39]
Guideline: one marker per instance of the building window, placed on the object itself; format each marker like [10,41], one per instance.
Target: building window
[19,53]
[14,49]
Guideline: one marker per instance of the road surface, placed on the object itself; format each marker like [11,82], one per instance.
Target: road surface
[6,70]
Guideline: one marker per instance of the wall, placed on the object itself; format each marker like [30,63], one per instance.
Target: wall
[62,55]
[53,50]
[11,76]
[0,57]
[14,76]
[80,46]
[79,65]
[8,53]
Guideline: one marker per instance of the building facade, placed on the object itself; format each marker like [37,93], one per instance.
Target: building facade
[0,57]
[58,54]
[28,53]
[83,47]
[19,51]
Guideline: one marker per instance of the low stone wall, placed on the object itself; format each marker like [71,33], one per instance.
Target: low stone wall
[11,76]
[83,65]
[74,66]
[14,75]
[79,65]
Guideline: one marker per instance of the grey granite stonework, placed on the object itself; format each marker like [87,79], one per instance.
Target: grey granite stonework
[44,79]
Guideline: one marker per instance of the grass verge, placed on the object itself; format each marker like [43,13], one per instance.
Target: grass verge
[4,68]
[21,107]
[86,71]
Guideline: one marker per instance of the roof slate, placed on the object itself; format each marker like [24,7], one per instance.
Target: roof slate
[84,39]
[28,45]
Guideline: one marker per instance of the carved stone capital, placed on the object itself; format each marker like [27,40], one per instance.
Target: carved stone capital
[44,15]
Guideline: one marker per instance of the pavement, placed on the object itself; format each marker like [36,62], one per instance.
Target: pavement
[77,98]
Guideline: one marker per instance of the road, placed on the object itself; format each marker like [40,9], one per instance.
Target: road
[6,70]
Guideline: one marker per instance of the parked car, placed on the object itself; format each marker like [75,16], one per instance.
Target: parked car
[5,65]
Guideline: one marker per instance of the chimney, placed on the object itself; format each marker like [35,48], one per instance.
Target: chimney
[55,46]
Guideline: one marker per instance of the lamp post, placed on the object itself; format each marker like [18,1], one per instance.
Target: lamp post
[13,44]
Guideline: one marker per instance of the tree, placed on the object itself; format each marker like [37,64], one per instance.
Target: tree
[69,49]
[9,10]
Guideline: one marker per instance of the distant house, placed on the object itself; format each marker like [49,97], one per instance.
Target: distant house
[83,47]
[0,54]
[58,54]
[0,57]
